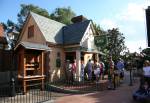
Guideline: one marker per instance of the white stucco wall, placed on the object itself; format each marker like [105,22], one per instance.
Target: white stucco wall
[88,40]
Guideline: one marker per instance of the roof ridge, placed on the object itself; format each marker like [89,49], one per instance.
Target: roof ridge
[33,13]
[78,22]
[74,32]
[50,29]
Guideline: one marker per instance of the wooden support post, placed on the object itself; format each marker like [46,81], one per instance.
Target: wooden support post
[78,65]
[42,69]
[24,71]
[24,87]
[43,84]
[24,66]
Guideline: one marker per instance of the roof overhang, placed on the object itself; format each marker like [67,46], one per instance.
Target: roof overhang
[83,49]
[33,46]
[93,51]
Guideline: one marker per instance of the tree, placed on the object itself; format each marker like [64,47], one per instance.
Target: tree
[115,44]
[11,33]
[10,23]
[146,53]
[98,29]
[10,26]
[25,9]
[63,15]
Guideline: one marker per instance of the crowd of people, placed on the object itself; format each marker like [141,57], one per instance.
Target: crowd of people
[94,70]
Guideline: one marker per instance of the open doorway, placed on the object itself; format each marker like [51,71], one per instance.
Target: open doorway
[71,56]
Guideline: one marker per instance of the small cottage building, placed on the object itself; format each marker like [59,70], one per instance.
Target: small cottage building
[44,46]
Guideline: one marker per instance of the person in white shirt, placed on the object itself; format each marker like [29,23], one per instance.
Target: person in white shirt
[145,79]
[97,70]
[146,69]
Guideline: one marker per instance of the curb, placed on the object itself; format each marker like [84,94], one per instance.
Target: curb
[50,101]
[62,90]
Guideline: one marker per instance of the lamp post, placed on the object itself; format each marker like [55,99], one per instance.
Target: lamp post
[114,80]
[130,69]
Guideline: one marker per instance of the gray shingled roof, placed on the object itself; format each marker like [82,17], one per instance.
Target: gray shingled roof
[73,33]
[36,46]
[52,30]
[59,33]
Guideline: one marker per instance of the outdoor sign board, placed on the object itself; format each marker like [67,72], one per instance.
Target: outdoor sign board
[148,25]
[100,40]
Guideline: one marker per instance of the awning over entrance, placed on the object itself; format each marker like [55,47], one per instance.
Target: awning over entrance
[93,51]
[83,49]
[35,46]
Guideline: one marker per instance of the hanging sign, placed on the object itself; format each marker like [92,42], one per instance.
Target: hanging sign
[100,40]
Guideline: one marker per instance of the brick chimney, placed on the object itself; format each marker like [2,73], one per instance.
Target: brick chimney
[1,31]
[79,18]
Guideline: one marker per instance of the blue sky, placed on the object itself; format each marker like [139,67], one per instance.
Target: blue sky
[127,15]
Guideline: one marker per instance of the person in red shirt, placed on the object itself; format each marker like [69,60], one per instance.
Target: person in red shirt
[74,67]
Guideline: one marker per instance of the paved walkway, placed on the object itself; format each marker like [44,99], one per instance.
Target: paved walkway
[123,94]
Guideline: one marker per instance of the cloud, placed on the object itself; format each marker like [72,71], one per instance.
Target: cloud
[131,22]
[108,24]
[134,13]
[128,30]
[135,45]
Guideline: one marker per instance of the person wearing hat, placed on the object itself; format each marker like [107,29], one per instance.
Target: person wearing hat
[120,67]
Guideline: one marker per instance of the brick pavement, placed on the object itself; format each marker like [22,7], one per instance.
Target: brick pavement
[123,94]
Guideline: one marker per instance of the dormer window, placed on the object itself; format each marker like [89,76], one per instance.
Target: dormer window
[30,31]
